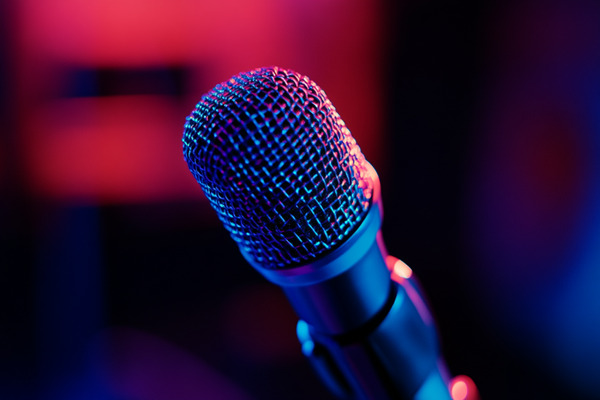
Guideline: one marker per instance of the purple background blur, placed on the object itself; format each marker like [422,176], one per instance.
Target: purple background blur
[119,283]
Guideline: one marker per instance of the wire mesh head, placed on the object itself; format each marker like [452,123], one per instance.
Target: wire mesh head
[278,165]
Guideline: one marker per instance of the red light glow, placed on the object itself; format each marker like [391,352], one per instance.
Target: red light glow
[75,148]
[108,149]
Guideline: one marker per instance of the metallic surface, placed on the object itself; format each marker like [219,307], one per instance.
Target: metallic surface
[279,166]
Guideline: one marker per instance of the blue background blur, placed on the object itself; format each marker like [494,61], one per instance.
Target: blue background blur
[117,282]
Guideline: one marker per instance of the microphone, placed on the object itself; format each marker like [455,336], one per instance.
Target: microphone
[292,187]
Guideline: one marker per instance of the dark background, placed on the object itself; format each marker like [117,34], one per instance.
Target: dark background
[119,283]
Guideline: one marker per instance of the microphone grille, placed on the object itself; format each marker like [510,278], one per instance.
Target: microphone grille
[279,166]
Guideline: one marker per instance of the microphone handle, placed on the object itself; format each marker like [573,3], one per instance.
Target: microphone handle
[395,356]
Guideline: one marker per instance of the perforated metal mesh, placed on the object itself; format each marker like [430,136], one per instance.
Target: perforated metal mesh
[278,165]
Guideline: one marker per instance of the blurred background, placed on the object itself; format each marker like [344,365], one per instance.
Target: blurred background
[117,281]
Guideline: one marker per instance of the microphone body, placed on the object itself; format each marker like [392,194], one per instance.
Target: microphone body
[368,335]
[363,325]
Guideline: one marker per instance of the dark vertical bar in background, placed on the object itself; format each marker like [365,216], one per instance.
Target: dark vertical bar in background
[434,67]
[50,268]
[70,304]
[17,324]
[435,64]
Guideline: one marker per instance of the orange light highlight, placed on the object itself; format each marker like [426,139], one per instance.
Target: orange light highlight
[463,388]
[459,390]
[401,270]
